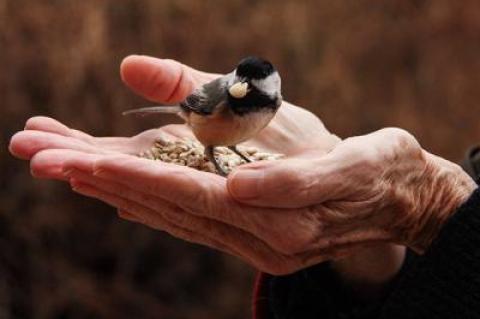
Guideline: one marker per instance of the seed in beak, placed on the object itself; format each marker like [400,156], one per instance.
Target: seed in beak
[239,90]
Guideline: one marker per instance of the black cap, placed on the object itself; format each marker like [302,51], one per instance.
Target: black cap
[254,68]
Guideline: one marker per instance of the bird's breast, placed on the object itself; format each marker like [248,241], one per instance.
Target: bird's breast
[226,128]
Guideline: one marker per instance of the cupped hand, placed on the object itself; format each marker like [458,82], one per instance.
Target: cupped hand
[165,81]
[378,187]
[194,206]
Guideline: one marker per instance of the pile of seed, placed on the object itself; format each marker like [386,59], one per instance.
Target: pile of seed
[190,153]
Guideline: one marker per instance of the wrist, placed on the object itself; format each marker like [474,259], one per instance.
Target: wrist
[367,270]
[445,187]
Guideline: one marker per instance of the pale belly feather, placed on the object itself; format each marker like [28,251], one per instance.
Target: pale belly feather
[225,129]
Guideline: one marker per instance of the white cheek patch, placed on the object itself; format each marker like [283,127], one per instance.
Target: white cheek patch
[270,85]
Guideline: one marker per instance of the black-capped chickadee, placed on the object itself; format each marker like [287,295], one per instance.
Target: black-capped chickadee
[230,109]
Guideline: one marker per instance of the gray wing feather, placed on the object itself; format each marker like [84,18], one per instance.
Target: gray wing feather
[205,99]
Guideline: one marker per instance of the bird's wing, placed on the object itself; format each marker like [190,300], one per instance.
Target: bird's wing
[205,99]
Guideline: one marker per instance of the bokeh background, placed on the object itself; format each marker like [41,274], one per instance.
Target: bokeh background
[360,65]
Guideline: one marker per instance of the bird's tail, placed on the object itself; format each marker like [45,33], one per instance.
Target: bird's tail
[174,109]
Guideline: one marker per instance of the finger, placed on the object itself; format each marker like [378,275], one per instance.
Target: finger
[119,144]
[49,164]
[197,192]
[288,183]
[204,194]
[161,80]
[144,215]
[47,124]
[126,145]
[181,224]
[169,179]
[122,191]
[165,209]
[25,144]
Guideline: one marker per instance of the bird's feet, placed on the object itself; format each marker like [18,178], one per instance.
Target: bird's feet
[209,153]
[234,149]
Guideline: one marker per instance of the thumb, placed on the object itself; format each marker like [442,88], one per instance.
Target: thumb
[289,183]
[161,80]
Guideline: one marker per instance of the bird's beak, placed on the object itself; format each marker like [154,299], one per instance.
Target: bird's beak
[238,90]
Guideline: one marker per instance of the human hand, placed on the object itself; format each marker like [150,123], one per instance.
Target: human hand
[54,148]
[378,187]
[363,191]
[294,132]
[164,81]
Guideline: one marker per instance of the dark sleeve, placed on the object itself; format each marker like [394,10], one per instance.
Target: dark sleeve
[316,292]
[445,281]
[442,283]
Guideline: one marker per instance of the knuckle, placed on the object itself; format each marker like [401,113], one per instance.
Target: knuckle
[401,137]
[396,132]
[404,145]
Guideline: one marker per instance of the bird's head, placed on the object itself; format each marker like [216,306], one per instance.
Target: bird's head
[256,85]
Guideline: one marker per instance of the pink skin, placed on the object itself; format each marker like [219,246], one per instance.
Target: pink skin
[276,230]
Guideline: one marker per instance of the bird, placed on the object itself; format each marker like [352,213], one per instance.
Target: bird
[230,109]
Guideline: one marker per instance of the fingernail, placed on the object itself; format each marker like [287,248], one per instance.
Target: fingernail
[246,183]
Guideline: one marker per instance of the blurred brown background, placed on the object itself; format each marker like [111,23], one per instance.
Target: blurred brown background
[360,65]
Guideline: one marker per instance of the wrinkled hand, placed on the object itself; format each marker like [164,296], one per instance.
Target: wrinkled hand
[321,201]
[188,204]
[378,187]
